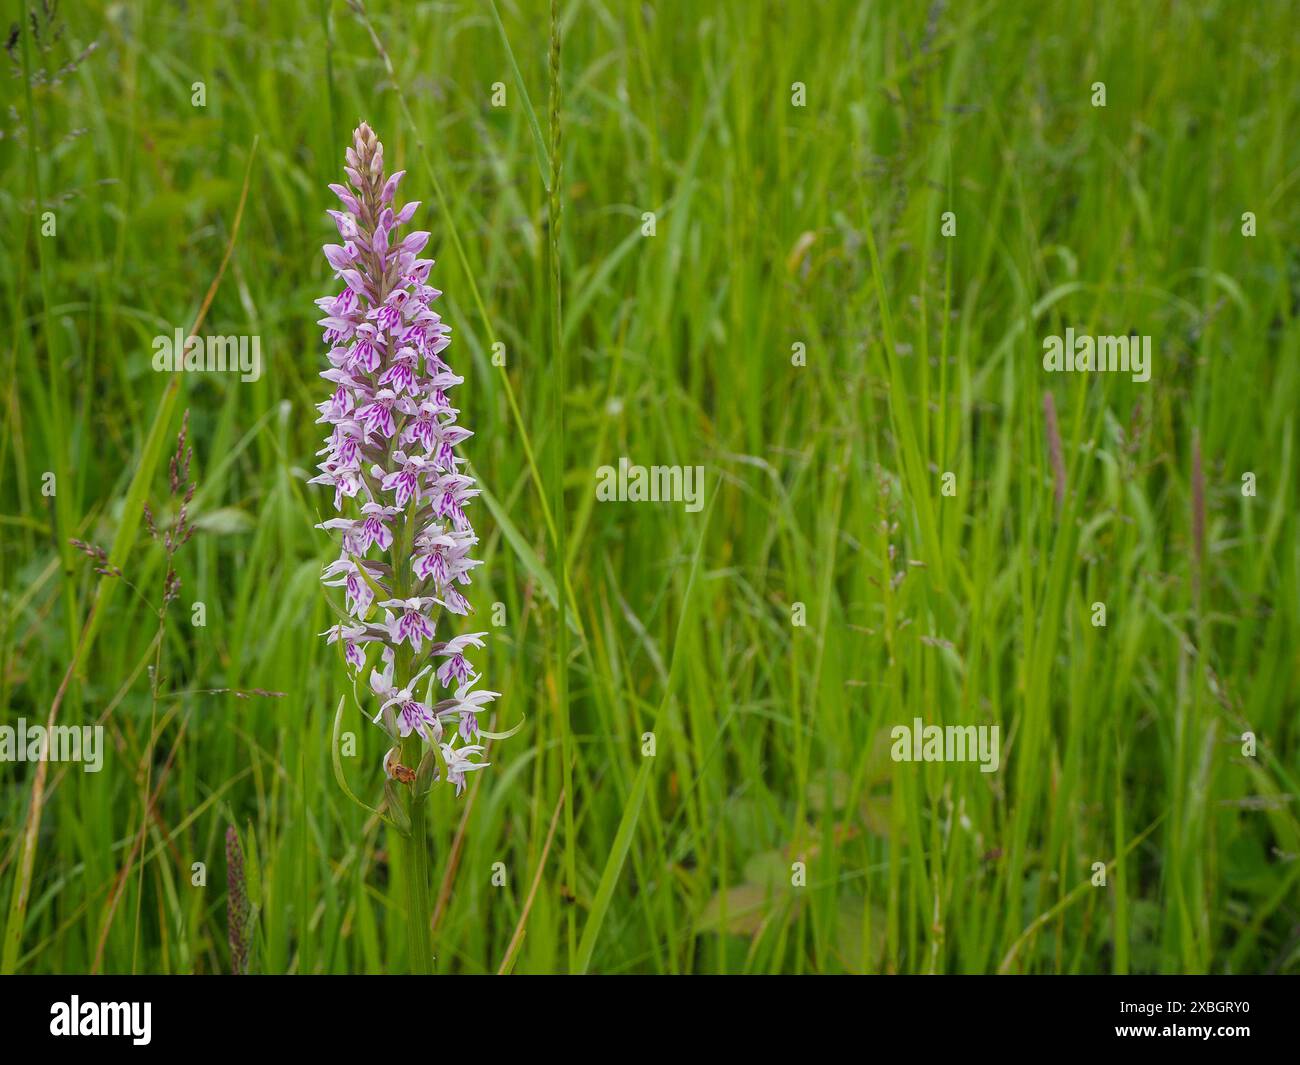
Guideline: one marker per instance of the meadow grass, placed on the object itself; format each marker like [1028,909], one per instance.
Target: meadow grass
[827,591]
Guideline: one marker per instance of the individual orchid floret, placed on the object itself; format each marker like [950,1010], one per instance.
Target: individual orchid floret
[456,666]
[468,704]
[457,760]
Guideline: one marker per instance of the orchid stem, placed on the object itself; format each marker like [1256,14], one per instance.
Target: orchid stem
[415,871]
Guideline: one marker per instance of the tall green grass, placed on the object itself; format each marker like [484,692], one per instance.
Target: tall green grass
[774,226]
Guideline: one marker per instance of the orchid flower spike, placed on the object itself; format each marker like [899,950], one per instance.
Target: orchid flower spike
[399,485]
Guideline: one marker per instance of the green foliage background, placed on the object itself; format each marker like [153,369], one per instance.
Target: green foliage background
[775,225]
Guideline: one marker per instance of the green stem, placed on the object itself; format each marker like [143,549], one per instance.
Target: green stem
[415,871]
